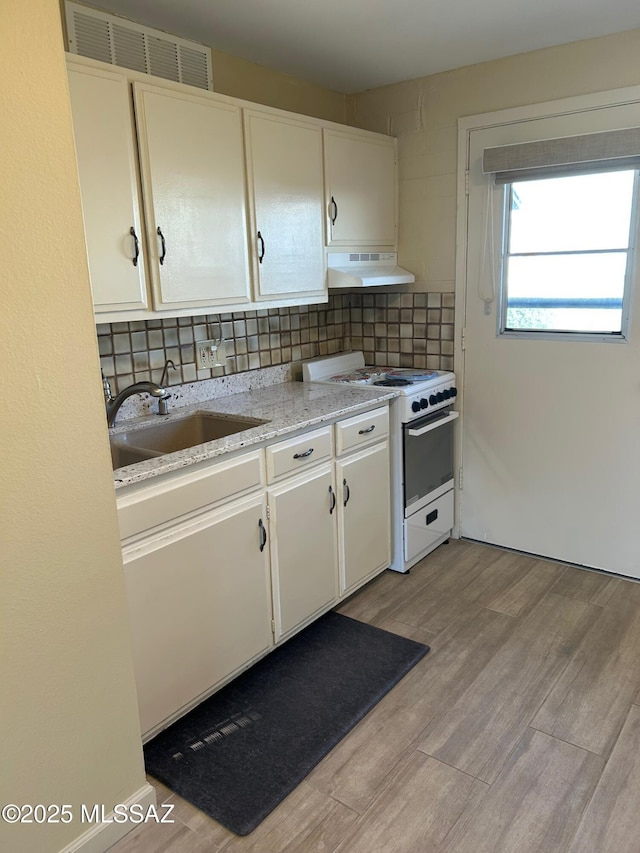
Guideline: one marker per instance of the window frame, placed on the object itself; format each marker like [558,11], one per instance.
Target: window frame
[567,335]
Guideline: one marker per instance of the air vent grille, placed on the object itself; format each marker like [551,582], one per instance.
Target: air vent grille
[93,38]
[359,257]
[195,67]
[128,45]
[163,58]
[128,48]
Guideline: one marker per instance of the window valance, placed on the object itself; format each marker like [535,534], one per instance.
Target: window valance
[591,152]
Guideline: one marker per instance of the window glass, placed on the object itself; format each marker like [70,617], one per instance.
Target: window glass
[567,253]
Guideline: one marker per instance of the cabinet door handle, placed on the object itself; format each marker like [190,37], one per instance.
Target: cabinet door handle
[163,254]
[347,492]
[261,249]
[134,260]
[332,505]
[263,534]
[303,455]
[333,204]
[368,429]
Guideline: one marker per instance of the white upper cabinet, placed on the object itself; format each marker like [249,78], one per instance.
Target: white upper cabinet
[285,178]
[206,204]
[191,157]
[105,149]
[360,189]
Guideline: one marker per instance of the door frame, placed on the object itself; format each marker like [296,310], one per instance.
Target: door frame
[466,125]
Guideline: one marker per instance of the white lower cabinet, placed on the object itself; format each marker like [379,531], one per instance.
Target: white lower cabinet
[222,561]
[364,517]
[303,547]
[200,603]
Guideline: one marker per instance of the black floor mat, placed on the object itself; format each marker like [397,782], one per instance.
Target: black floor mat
[239,753]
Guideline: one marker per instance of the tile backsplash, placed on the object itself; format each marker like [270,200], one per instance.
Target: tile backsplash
[403,329]
[398,329]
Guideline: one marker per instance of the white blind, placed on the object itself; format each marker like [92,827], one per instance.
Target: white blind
[591,152]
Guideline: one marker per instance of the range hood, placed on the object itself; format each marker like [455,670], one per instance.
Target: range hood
[368,269]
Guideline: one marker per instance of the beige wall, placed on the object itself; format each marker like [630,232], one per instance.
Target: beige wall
[241,79]
[423,113]
[69,724]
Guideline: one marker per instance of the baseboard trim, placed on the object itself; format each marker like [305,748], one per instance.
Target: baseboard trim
[101,836]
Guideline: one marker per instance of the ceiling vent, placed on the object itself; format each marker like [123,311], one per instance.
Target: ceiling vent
[121,42]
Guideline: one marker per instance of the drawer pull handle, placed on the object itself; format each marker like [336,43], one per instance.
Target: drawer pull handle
[347,492]
[334,215]
[136,242]
[163,254]
[432,516]
[332,505]
[368,429]
[303,455]
[263,534]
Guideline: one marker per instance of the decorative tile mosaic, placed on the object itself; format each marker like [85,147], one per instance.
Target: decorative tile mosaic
[398,329]
[403,329]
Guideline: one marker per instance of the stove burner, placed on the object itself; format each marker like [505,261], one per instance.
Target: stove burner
[412,374]
[393,383]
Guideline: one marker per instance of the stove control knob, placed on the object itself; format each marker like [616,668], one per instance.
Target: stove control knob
[415,406]
[453,391]
[433,399]
[424,403]
[446,394]
[439,397]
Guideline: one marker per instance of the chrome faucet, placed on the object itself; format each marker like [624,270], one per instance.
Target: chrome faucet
[113,403]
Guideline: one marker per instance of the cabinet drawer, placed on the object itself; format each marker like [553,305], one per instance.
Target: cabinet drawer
[290,456]
[428,525]
[362,429]
[172,497]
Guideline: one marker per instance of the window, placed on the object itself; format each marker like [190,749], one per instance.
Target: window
[567,253]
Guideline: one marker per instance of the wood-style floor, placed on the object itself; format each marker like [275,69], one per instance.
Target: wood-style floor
[519,732]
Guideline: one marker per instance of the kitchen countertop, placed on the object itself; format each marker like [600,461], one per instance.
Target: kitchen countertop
[288,407]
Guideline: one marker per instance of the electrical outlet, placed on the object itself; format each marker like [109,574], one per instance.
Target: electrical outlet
[210,354]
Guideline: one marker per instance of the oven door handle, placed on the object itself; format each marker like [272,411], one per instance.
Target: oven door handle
[442,422]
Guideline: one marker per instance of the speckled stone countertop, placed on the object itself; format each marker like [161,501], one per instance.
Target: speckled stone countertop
[286,407]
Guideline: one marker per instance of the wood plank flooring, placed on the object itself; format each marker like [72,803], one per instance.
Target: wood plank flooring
[518,733]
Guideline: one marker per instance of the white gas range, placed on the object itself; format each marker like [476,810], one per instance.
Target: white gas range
[421,439]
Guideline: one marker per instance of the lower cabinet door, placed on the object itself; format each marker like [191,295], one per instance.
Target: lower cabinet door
[303,547]
[200,606]
[362,481]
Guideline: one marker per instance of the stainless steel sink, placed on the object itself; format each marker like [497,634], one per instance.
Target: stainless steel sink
[175,434]
[122,455]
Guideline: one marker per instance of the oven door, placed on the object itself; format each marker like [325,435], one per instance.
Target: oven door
[428,458]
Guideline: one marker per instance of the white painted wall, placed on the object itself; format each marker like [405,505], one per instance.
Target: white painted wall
[423,113]
[68,715]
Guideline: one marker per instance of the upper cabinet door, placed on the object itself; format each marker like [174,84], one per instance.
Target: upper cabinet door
[360,189]
[103,130]
[191,157]
[284,169]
